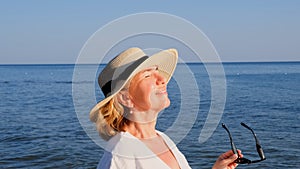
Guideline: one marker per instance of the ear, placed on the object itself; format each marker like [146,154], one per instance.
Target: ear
[124,98]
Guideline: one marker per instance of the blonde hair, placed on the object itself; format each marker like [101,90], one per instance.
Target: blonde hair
[110,119]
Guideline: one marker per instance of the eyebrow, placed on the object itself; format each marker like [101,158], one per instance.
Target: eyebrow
[149,69]
[141,73]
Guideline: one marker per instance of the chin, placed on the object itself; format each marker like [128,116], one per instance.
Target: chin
[165,105]
[168,104]
[162,106]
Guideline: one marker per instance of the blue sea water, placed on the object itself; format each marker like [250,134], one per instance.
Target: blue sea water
[40,129]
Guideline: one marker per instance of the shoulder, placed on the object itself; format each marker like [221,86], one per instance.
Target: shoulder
[121,144]
[118,153]
[125,145]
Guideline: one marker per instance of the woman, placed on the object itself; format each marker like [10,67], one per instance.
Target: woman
[135,89]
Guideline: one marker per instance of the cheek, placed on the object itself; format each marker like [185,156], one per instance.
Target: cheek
[141,91]
[141,96]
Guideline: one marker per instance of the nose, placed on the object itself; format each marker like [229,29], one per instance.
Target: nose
[160,79]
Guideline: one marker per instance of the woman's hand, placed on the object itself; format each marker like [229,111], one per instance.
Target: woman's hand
[226,160]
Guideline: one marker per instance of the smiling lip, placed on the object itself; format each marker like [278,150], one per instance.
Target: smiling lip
[164,91]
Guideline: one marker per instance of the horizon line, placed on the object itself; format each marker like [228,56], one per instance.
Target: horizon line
[226,62]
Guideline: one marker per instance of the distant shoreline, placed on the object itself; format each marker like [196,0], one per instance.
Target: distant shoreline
[189,63]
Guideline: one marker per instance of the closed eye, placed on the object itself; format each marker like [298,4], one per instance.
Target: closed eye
[147,73]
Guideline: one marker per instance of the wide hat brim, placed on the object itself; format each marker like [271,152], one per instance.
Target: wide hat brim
[166,61]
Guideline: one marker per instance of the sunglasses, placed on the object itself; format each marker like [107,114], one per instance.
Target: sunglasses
[242,160]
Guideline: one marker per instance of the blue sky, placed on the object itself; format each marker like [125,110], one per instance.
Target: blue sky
[34,31]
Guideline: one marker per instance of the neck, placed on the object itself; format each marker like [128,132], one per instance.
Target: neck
[142,123]
[142,130]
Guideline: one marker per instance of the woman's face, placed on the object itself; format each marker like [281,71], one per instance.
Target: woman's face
[148,90]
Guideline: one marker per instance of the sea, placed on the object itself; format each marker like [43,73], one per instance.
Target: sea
[41,126]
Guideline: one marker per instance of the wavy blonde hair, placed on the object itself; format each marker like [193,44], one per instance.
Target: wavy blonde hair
[110,119]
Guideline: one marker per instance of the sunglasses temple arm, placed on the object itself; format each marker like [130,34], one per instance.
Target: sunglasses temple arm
[233,147]
[258,146]
[260,152]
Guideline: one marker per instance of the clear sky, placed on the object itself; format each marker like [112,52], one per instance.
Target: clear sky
[54,31]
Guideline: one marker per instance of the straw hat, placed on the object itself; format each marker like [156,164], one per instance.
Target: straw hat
[128,63]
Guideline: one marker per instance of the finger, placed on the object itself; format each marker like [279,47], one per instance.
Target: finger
[230,159]
[228,154]
[233,165]
[240,153]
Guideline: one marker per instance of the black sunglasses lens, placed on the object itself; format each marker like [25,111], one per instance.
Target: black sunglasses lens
[242,161]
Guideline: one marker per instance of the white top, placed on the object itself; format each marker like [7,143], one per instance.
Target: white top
[124,151]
